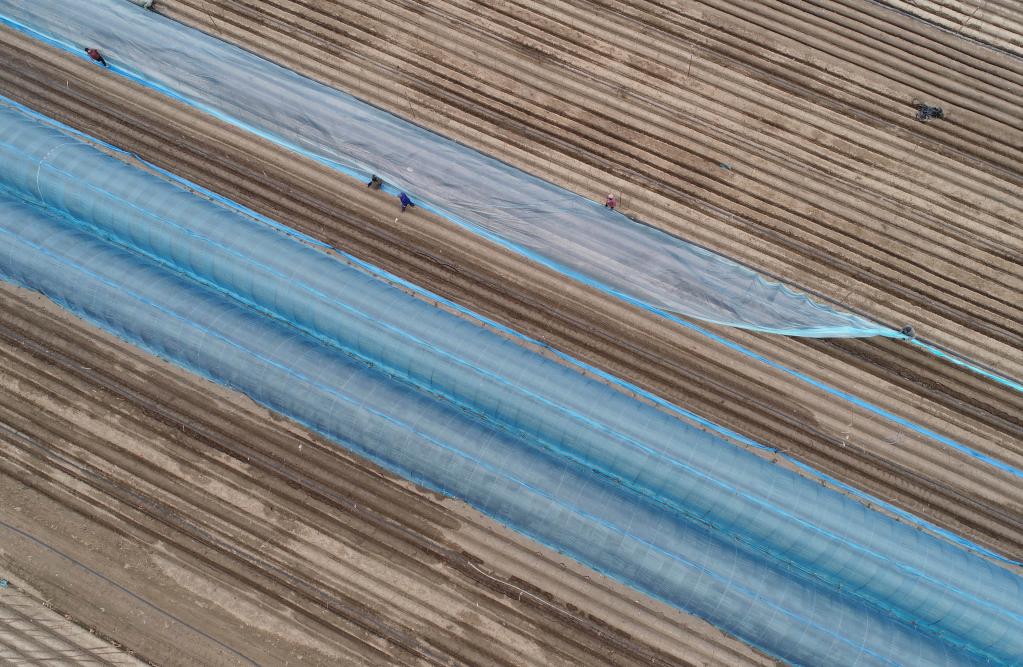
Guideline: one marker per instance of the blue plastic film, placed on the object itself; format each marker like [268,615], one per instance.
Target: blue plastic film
[628,387]
[597,520]
[549,224]
[251,307]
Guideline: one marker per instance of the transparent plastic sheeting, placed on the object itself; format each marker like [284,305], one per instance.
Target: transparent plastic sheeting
[530,487]
[549,224]
[804,572]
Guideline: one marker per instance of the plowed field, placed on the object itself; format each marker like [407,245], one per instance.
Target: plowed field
[830,182]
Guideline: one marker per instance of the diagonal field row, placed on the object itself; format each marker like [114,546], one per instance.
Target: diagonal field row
[32,632]
[997,23]
[233,509]
[682,366]
[830,182]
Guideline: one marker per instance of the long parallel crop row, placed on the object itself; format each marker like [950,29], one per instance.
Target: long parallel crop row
[995,23]
[832,183]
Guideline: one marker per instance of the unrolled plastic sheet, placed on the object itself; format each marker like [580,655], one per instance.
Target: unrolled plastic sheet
[547,223]
[619,484]
[565,505]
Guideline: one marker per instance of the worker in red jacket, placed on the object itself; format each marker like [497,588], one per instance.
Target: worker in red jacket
[97,56]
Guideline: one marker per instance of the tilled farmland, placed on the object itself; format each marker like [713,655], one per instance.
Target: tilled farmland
[830,181]
[198,528]
[778,133]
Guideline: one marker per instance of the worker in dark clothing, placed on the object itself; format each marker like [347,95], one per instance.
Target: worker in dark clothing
[374,183]
[925,112]
[405,201]
[97,56]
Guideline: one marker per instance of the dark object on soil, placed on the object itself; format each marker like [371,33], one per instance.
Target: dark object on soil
[926,112]
[405,201]
[908,331]
[374,182]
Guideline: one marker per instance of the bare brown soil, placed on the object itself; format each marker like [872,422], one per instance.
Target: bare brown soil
[198,528]
[32,632]
[833,185]
[997,23]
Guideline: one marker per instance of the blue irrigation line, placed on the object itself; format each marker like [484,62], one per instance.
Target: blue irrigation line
[128,592]
[902,421]
[960,361]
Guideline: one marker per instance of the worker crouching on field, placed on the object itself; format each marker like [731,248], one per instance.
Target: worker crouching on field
[96,56]
[405,202]
[611,202]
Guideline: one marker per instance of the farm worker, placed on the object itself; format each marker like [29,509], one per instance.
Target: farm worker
[95,55]
[405,201]
[926,113]
[374,182]
[611,202]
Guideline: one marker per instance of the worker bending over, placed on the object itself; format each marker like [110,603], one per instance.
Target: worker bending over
[96,56]
[405,202]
